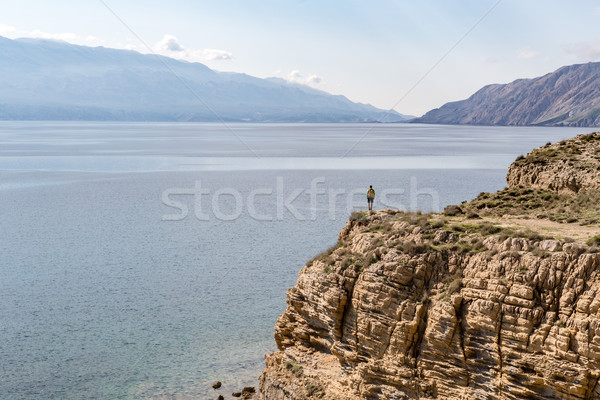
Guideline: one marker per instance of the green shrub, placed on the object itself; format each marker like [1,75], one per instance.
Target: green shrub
[510,254]
[412,248]
[436,224]
[326,256]
[346,262]
[538,252]
[489,229]
[454,286]
[594,241]
[453,210]
[294,367]
[472,215]
[359,216]
[314,390]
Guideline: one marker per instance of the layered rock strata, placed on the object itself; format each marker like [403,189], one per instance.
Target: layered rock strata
[411,306]
[567,166]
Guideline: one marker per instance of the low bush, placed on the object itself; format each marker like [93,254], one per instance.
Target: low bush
[594,241]
[453,210]
[455,286]
[294,367]
[510,254]
[325,256]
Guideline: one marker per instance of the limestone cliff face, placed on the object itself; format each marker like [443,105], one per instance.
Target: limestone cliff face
[571,165]
[411,306]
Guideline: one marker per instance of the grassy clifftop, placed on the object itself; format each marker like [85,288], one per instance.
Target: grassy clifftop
[557,182]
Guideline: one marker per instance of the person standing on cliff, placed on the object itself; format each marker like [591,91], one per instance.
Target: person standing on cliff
[370,196]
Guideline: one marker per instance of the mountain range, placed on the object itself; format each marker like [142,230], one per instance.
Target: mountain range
[569,96]
[53,80]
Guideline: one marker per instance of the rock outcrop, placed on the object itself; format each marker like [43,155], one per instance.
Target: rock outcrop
[568,166]
[432,306]
[569,96]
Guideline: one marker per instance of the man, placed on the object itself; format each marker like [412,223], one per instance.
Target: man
[370,196]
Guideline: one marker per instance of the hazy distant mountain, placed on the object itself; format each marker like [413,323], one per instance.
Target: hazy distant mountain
[569,96]
[51,80]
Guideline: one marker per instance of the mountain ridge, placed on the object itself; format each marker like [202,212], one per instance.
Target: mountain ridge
[52,80]
[569,96]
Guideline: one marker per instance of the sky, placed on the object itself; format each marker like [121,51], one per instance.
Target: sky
[408,55]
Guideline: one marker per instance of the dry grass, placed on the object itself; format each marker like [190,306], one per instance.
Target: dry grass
[571,150]
[582,208]
[326,257]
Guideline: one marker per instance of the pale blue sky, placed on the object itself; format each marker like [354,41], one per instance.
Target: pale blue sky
[371,51]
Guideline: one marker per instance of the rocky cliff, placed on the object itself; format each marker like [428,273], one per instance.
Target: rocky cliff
[567,166]
[498,298]
[569,96]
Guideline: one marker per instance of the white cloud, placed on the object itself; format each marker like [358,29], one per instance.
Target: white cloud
[7,30]
[526,53]
[169,43]
[214,54]
[13,33]
[129,46]
[296,77]
[584,51]
[65,36]
[493,60]
[170,46]
[314,80]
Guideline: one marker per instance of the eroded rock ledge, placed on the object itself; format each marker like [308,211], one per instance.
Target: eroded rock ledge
[567,166]
[433,306]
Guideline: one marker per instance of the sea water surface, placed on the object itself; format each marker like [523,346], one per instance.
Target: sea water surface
[146,260]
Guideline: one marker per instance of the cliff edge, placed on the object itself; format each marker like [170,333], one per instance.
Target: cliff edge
[497,298]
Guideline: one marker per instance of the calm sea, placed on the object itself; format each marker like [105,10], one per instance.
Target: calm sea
[148,260]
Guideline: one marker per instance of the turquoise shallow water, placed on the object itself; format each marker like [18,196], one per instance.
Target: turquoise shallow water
[109,289]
